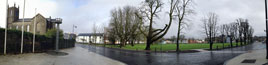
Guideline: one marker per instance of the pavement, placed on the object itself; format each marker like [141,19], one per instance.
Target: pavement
[257,55]
[75,56]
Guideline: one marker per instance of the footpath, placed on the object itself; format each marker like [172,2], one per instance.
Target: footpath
[75,56]
[255,57]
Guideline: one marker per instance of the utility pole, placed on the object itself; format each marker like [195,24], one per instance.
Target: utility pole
[57,37]
[266,29]
[58,22]
[22,32]
[73,28]
[5,43]
[34,31]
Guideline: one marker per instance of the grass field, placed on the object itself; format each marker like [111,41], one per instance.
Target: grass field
[169,47]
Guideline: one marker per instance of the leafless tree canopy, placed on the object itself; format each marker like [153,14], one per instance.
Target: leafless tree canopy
[245,31]
[124,24]
[182,10]
[210,27]
[150,10]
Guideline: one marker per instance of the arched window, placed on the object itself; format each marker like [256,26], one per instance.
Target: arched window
[11,12]
[28,28]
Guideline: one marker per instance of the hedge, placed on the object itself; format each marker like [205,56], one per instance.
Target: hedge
[42,43]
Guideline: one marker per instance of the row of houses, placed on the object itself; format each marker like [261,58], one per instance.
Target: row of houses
[189,41]
[99,38]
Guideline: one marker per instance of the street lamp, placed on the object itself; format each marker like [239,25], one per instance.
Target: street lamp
[5,43]
[266,29]
[74,26]
[34,32]
[22,32]
[58,22]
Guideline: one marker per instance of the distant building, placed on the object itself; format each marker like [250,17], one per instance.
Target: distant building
[97,38]
[69,36]
[42,24]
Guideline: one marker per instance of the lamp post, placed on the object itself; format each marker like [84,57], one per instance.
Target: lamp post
[22,32]
[5,43]
[34,32]
[74,27]
[266,29]
[58,22]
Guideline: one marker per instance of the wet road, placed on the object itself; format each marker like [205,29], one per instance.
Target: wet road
[198,58]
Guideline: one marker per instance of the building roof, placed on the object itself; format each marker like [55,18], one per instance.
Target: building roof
[90,34]
[25,20]
[30,19]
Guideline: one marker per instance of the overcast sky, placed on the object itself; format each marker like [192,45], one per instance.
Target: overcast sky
[84,13]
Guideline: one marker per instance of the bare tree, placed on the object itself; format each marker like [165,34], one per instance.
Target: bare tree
[239,20]
[182,10]
[125,24]
[222,32]
[232,31]
[244,30]
[210,27]
[250,34]
[151,8]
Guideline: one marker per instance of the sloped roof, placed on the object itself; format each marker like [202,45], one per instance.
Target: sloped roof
[25,20]
[30,19]
[90,34]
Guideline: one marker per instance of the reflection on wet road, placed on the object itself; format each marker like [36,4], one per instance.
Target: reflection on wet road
[198,58]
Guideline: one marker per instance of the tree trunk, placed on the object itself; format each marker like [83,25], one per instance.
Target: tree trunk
[231,42]
[132,43]
[241,43]
[210,43]
[245,40]
[178,37]
[148,45]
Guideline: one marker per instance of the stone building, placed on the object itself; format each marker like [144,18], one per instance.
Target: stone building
[42,24]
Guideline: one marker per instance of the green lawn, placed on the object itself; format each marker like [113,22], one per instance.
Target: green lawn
[168,47]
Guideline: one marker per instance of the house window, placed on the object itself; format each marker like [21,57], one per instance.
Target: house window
[28,28]
[11,12]
[22,27]
[17,27]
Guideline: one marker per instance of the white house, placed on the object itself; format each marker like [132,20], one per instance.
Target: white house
[97,38]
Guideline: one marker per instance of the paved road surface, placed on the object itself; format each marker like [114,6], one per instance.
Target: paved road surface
[198,58]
